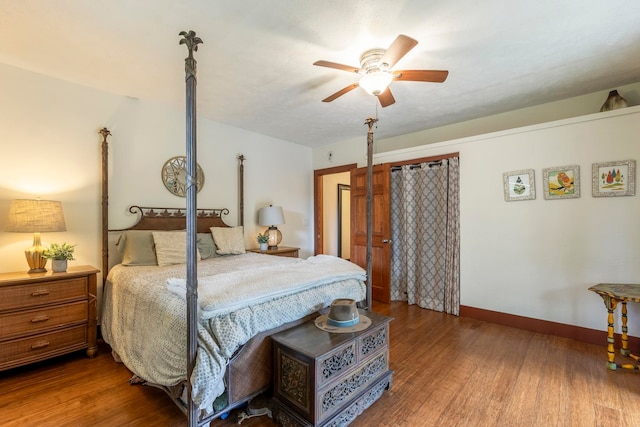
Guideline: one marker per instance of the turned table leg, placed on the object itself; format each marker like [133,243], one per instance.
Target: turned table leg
[611,304]
[625,338]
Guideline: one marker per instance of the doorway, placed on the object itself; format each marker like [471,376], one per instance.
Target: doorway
[344,221]
[326,210]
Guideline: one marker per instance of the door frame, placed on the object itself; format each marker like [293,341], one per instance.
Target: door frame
[318,232]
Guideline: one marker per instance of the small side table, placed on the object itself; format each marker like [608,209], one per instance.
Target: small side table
[612,294]
[280,251]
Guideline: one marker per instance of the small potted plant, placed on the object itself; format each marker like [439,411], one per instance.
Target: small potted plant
[263,240]
[59,255]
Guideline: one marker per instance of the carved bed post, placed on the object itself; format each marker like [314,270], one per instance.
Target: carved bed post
[105,204]
[191,41]
[370,121]
[241,188]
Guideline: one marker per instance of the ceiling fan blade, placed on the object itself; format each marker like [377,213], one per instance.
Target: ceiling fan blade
[337,66]
[386,98]
[341,92]
[435,76]
[399,48]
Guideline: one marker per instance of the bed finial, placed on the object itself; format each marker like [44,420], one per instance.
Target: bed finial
[192,42]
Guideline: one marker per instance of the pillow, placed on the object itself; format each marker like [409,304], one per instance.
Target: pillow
[206,247]
[229,240]
[136,247]
[171,247]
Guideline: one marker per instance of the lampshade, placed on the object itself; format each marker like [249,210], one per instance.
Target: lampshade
[35,216]
[272,216]
[376,82]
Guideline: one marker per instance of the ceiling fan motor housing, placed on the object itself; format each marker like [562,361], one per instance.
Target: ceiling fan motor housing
[370,61]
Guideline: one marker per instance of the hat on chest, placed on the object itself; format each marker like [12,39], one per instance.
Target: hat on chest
[343,317]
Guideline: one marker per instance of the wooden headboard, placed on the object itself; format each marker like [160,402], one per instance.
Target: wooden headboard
[175,219]
[163,219]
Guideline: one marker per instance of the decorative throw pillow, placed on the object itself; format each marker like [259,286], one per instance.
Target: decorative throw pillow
[171,247]
[136,247]
[205,244]
[229,240]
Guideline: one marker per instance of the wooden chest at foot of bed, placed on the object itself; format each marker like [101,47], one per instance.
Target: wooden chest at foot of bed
[327,379]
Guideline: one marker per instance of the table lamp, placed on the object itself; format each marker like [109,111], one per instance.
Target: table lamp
[272,216]
[35,216]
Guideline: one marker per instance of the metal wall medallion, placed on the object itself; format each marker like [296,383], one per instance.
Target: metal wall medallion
[174,176]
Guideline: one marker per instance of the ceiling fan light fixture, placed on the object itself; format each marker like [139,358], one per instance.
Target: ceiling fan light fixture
[376,82]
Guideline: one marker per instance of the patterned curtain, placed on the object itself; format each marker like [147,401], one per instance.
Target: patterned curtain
[425,235]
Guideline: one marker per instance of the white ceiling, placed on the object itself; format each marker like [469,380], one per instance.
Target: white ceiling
[255,67]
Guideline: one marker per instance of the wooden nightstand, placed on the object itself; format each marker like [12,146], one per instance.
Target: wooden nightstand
[281,251]
[325,379]
[43,315]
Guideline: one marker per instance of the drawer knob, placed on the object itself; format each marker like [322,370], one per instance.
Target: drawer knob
[40,344]
[40,293]
[41,318]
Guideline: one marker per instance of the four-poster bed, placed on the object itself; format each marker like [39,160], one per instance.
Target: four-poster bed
[144,316]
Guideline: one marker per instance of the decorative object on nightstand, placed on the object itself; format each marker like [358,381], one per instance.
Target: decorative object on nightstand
[614,101]
[263,241]
[326,379]
[272,216]
[59,255]
[35,216]
[45,315]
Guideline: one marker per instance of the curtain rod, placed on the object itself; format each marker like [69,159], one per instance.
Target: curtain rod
[416,166]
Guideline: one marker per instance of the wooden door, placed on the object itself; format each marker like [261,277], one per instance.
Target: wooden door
[381,216]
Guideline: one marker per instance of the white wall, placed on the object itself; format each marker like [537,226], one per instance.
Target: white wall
[354,150]
[537,258]
[51,149]
[276,172]
[544,113]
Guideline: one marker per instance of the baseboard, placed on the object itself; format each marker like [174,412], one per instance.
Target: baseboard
[591,336]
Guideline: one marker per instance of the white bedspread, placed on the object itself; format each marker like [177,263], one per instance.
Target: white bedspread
[144,311]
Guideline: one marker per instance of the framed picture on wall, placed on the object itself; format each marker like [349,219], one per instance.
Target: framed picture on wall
[562,182]
[610,179]
[519,185]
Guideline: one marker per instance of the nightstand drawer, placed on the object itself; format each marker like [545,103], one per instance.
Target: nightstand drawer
[333,397]
[337,363]
[28,295]
[285,251]
[290,254]
[23,323]
[373,341]
[38,347]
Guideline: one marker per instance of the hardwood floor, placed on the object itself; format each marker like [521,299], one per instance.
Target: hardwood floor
[448,371]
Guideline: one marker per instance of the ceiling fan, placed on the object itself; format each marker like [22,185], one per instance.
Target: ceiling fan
[375,68]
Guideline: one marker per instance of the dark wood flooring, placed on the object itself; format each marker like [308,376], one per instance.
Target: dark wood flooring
[448,371]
